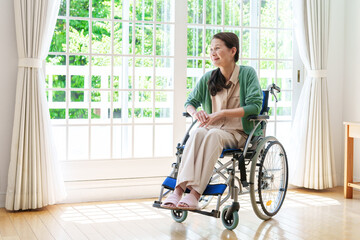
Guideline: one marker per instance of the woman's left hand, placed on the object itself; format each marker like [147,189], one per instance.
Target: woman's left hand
[212,118]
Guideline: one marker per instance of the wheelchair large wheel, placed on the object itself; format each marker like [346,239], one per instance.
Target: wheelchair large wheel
[269,178]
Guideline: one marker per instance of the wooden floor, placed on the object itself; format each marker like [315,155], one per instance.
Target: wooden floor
[305,214]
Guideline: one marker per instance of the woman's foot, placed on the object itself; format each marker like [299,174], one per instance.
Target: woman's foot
[190,201]
[173,199]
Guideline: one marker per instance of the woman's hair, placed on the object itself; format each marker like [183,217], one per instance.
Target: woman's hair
[217,81]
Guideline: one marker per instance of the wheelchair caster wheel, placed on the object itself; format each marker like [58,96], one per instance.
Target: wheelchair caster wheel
[179,215]
[232,222]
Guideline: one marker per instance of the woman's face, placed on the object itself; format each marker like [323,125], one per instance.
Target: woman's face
[220,54]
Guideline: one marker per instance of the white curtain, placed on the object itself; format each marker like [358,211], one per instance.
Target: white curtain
[311,158]
[34,178]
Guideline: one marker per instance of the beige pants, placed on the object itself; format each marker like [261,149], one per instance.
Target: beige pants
[200,155]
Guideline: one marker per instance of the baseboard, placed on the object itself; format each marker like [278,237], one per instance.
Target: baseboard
[2,199]
[110,190]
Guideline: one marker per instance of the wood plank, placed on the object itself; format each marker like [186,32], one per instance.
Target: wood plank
[75,224]
[7,229]
[37,226]
[22,227]
[52,225]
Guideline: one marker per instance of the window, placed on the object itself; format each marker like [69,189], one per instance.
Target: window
[113,96]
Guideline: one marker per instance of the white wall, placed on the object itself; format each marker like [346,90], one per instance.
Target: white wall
[8,73]
[351,107]
[335,83]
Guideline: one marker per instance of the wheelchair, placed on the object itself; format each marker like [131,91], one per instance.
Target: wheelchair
[262,168]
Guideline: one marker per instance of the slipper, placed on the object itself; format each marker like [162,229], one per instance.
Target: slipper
[171,199]
[191,202]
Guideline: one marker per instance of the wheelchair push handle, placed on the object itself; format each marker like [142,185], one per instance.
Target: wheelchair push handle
[271,89]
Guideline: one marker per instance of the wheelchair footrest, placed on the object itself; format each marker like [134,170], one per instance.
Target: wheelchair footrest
[211,189]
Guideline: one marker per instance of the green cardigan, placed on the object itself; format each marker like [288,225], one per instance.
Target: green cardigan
[250,96]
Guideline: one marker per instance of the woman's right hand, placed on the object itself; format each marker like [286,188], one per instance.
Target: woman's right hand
[201,116]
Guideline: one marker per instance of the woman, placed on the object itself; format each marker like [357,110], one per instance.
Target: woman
[228,96]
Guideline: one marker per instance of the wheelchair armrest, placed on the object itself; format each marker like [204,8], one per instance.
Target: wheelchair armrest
[258,118]
[186,114]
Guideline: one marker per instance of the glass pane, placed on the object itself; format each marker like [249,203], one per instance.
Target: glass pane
[60,141]
[144,73]
[285,49]
[77,96]
[100,142]
[165,39]
[285,75]
[164,141]
[164,73]
[270,129]
[95,81]
[144,39]
[101,66]
[57,113]
[79,8]
[213,12]
[144,10]
[143,141]
[251,13]
[195,11]
[250,44]
[267,73]
[101,37]
[210,32]
[209,65]
[285,14]
[77,81]
[79,36]
[122,38]
[101,9]
[165,10]
[118,36]
[232,12]
[252,63]
[58,96]
[194,72]
[267,43]
[122,141]
[55,60]
[78,143]
[123,9]
[79,60]
[164,102]
[283,110]
[78,113]
[268,13]
[143,106]
[62,8]
[122,105]
[195,41]
[122,73]
[58,81]
[58,42]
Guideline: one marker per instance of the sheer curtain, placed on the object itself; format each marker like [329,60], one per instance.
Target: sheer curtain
[311,157]
[34,178]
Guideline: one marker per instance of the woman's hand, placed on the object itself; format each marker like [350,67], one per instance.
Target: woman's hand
[201,116]
[212,118]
